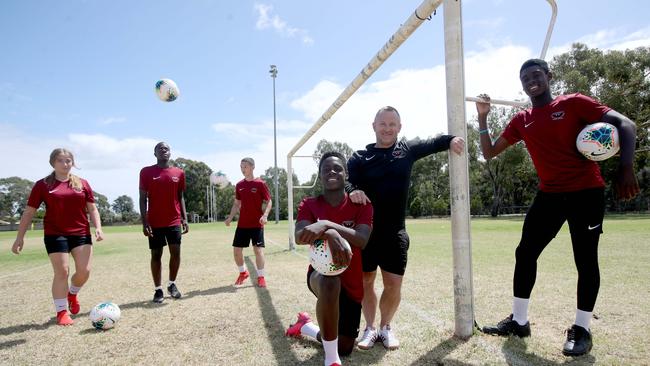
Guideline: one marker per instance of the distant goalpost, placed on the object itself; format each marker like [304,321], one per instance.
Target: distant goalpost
[456,124]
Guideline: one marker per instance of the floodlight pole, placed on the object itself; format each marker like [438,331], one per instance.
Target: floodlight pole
[274,74]
[458,171]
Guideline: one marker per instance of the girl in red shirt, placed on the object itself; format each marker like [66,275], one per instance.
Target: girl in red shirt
[68,202]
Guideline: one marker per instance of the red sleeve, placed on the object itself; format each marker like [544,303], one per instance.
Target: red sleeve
[90,197]
[588,109]
[36,195]
[266,195]
[365,215]
[511,132]
[304,212]
[144,180]
[182,185]
[237,196]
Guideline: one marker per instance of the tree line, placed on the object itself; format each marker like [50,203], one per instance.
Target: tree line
[505,184]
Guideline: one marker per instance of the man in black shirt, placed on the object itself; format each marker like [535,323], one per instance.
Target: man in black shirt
[381,174]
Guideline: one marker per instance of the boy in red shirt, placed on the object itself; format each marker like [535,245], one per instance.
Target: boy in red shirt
[333,216]
[251,194]
[164,220]
[570,189]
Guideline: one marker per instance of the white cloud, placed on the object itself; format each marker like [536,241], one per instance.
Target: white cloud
[608,39]
[267,20]
[111,120]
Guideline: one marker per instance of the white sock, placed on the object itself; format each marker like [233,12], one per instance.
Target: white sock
[158,288]
[520,310]
[260,272]
[310,329]
[242,269]
[583,318]
[169,283]
[74,289]
[331,351]
[60,304]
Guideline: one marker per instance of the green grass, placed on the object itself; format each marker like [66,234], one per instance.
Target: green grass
[215,323]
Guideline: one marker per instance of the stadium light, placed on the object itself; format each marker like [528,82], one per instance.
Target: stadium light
[274,74]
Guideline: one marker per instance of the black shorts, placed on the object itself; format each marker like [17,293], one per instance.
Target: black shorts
[349,311]
[165,235]
[65,243]
[389,251]
[245,236]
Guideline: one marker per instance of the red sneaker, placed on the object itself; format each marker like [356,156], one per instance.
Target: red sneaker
[294,329]
[62,318]
[242,277]
[73,303]
[261,282]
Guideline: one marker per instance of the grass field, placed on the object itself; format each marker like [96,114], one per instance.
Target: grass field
[216,323]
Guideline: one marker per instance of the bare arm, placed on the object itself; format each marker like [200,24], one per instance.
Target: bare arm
[25,221]
[146,229]
[488,148]
[184,224]
[306,232]
[627,186]
[236,205]
[267,210]
[96,220]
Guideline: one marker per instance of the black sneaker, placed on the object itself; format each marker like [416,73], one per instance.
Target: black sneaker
[173,291]
[507,327]
[578,341]
[158,296]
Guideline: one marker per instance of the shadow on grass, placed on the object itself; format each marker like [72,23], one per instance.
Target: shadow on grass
[145,304]
[514,351]
[9,344]
[437,355]
[273,324]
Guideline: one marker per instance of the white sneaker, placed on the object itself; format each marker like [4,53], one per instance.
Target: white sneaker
[369,338]
[388,338]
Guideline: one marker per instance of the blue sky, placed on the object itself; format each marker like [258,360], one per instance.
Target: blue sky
[80,74]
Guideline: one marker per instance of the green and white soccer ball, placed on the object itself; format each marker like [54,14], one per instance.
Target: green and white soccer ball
[167,90]
[598,141]
[105,315]
[320,257]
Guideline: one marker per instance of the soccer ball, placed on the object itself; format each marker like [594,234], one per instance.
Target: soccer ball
[105,315]
[320,258]
[167,90]
[598,141]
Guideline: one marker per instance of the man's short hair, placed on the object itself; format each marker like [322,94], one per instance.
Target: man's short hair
[388,109]
[249,161]
[535,62]
[330,154]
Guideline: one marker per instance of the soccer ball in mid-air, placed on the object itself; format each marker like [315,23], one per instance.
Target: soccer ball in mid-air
[105,315]
[167,90]
[598,141]
[320,257]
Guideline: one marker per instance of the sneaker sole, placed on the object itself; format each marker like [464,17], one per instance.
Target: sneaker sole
[365,348]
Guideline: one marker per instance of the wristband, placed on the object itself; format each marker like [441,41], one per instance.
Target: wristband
[483,131]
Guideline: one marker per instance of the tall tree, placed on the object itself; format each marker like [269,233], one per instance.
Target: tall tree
[14,192]
[197,179]
[104,208]
[298,194]
[123,206]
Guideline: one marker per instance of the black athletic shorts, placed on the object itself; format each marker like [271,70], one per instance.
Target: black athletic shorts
[165,235]
[65,243]
[388,251]
[349,311]
[245,236]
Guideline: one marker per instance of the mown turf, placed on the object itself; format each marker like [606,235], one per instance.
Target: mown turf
[216,323]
